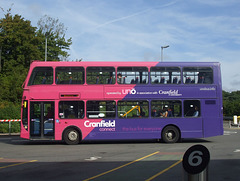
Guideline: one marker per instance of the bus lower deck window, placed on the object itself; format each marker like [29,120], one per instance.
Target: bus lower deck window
[192,108]
[165,108]
[71,109]
[101,109]
[131,109]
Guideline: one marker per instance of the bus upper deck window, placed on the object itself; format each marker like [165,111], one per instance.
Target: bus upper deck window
[100,75]
[165,75]
[132,75]
[41,75]
[197,75]
[69,75]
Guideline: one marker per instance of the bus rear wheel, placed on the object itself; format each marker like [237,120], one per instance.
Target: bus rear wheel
[170,134]
[71,136]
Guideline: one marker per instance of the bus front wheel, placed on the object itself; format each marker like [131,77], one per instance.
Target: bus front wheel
[170,134]
[71,136]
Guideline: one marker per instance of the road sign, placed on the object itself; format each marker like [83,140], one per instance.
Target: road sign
[196,159]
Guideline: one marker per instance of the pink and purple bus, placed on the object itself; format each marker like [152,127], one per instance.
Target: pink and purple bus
[75,101]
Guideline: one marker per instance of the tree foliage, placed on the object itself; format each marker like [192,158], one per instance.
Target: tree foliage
[54,32]
[20,43]
[231,103]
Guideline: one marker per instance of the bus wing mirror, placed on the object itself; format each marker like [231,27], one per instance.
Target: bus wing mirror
[24,104]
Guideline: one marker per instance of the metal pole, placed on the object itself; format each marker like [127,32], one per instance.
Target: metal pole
[1,59]
[195,163]
[46,49]
[162,47]
[9,127]
[161,54]
[202,176]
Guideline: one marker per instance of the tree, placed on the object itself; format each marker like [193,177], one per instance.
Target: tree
[19,45]
[231,103]
[18,42]
[54,32]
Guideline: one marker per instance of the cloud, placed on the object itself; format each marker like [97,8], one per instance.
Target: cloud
[230,78]
[135,30]
[219,3]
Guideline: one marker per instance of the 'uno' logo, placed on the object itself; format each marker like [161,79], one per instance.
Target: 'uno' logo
[129,91]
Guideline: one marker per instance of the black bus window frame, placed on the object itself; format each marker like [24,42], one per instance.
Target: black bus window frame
[69,75]
[101,75]
[165,75]
[101,109]
[132,75]
[197,75]
[41,76]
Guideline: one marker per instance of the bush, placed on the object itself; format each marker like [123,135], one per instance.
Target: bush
[9,110]
[4,128]
[15,127]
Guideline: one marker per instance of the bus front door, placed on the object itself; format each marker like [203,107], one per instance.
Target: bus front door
[42,120]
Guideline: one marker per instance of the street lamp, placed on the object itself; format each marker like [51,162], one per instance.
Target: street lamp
[46,36]
[162,47]
[46,49]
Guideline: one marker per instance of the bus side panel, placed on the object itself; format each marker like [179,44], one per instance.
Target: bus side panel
[142,128]
[191,127]
[24,133]
[212,120]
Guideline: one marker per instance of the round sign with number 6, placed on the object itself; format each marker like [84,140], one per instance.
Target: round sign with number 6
[196,159]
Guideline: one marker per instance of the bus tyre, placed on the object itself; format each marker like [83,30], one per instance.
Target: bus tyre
[170,134]
[71,136]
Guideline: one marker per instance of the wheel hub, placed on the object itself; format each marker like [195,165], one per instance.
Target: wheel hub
[170,135]
[72,136]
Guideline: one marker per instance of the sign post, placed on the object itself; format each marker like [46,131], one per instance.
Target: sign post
[195,163]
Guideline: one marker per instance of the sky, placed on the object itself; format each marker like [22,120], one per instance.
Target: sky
[135,30]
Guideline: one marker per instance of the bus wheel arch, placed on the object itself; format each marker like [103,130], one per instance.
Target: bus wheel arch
[171,134]
[72,135]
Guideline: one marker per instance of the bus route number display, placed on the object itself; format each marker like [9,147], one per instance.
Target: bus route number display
[196,159]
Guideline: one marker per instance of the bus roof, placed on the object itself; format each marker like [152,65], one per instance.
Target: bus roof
[120,63]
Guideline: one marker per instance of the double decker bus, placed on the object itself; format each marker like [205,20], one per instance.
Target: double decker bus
[75,101]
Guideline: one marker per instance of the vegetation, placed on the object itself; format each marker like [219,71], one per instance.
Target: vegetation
[231,103]
[20,43]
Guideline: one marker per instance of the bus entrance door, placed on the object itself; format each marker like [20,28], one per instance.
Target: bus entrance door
[42,120]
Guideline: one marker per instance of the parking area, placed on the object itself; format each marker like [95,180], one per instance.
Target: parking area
[120,160]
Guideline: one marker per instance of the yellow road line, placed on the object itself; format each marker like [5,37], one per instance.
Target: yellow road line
[173,165]
[104,173]
[17,164]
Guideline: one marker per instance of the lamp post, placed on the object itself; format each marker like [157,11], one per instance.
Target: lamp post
[162,47]
[46,36]
[46,49]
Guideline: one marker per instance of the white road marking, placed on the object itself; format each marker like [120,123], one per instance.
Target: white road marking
[93,158]
[237,151]
[226,133]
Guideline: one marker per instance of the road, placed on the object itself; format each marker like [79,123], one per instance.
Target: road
[121,160]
